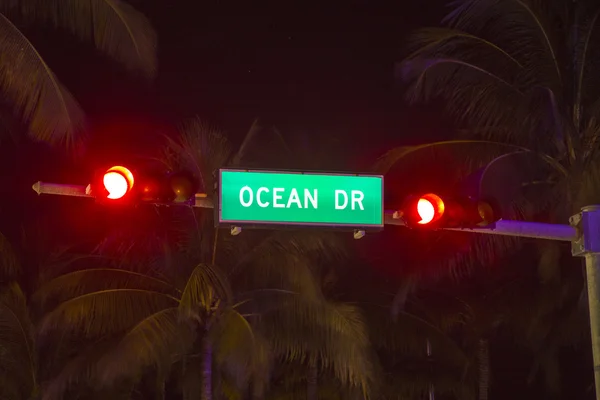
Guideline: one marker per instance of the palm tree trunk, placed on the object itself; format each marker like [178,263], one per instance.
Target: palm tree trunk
[258,392]
[160,389]
[431,387]
[207,358]
[312,381]
[483,359]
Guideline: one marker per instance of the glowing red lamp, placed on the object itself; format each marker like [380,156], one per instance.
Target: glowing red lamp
[117,181]
[430,208]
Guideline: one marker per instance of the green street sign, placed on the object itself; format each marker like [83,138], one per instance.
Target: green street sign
[300,198]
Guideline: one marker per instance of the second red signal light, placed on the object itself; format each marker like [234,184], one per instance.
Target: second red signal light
[112,185]
[430,208]
[432,211]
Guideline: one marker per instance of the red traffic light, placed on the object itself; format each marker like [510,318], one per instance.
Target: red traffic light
[118,186]
[423,210]
[430,208]
[431,211]
[117,181]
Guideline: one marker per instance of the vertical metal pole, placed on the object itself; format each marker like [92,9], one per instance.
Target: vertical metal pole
[588,246]
[431,387]
[592,270]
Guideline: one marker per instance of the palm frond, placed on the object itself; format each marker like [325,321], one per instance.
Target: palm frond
[582,64]
[275,267]
[442,310]
[206,286]
[409,336]
[63,261]
[586,61]
[233,332]
[557,121]
[9,391]
[226,389]
[259,262]
[10,266]
[332,334]
[478,152]
[200,148]
[114,26]
[434,40]
[495,67]
[78,283]
[407,286]
[413,380]
[240,350]
[422,66]
[105,311]
[80,369]
[50,110]
[255,128]
[543,324]
[549,265]
[472,94]
[18,357]
[525,22]
[326,389]
[194,235]
[158,340]
[587,190]
[562,326]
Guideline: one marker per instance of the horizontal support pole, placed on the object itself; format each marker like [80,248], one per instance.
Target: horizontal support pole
[201,200]
[535,230]
[60,189]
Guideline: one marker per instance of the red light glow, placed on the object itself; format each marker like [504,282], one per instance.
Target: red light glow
[430,208]
[426,211]
[117,182]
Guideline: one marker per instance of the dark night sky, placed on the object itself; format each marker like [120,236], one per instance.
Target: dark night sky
[318,70]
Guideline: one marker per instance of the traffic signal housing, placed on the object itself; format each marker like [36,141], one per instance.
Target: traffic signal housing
[432,211]
[121,185]
[183,186]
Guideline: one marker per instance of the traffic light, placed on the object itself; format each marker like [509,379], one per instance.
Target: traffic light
[121,185]
[432,211]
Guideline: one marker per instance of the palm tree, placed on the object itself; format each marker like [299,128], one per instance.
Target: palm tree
[28,83]
[418,354]
[23,364]
[176,314]
[518,77]
[312,329]
[322,345]
[529,89]
[205,306]
[18,356]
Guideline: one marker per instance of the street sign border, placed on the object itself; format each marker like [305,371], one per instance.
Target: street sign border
[287,224]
